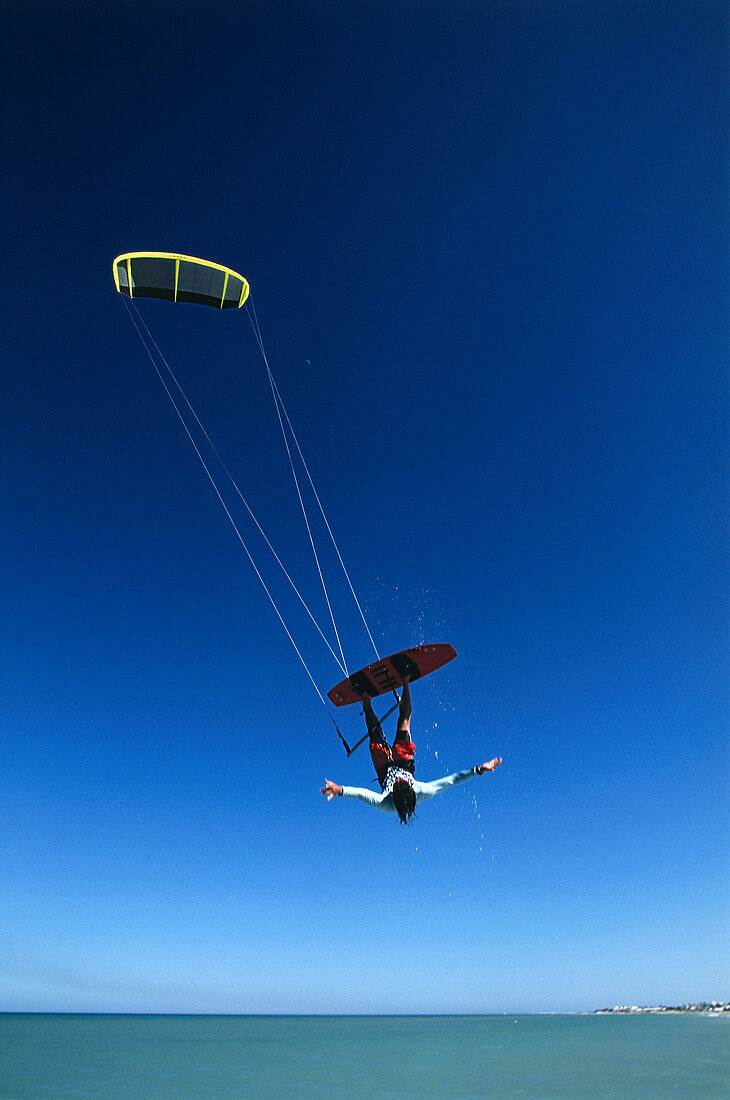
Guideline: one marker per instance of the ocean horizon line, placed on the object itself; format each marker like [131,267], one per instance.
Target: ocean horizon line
[638,1010]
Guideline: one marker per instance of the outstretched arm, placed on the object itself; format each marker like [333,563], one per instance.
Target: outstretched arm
[379,800]
[428,790]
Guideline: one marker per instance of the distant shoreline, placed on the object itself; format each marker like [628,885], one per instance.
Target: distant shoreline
[713,1008]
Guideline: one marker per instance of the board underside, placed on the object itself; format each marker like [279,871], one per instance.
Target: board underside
[387,674]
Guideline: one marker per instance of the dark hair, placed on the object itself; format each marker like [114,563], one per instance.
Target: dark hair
[404,800]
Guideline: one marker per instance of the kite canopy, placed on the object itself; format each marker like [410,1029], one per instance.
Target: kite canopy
[179,279]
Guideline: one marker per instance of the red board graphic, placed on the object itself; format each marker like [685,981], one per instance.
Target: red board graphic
[386,674]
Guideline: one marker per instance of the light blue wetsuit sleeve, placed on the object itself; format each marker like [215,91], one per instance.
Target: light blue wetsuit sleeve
[423,790]
[373,798]
[428,790]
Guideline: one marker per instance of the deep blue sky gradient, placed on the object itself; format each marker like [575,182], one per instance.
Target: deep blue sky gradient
[487,245]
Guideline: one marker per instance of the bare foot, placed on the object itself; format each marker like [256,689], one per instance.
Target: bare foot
[489,766]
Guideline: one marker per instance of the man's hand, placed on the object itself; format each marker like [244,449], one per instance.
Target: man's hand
[489,766]
[330,789]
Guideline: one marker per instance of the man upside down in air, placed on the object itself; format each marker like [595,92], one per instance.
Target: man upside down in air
[400,791]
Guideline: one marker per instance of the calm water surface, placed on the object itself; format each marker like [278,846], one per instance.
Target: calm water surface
[499,1057]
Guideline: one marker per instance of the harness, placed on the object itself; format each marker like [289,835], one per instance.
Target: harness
[394,773]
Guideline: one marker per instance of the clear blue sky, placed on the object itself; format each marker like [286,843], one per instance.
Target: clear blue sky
[487,244]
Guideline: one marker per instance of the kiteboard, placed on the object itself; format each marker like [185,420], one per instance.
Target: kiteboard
[387,674]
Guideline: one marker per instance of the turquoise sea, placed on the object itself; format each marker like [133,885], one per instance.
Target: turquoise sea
[500,1057]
